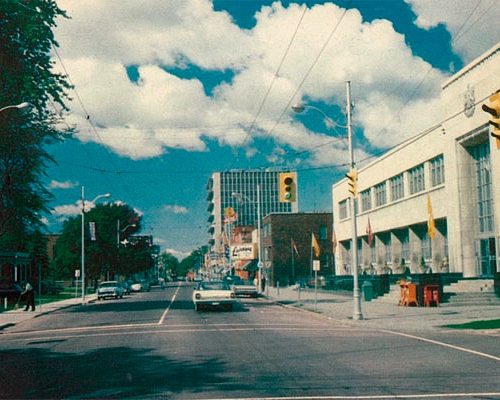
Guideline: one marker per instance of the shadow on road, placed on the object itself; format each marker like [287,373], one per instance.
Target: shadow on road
[116,372]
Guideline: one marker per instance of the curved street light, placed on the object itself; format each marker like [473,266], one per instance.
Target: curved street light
[18,106]
[298,108]
[329,122]
[83,235]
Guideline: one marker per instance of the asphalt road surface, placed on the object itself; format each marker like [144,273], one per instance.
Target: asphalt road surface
[154,345]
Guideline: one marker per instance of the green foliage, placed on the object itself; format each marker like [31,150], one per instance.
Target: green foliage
[105,254]
[169,263]
[193,262]
[26,40]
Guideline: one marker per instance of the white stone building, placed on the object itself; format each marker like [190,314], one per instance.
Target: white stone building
[457,166]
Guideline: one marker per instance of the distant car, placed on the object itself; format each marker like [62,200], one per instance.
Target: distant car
[141,286]
[213,294]
[241,287]
[109,289]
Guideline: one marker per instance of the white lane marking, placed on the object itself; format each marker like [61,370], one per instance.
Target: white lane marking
[76,329]
[170,331]
[451,346]
[382,396]
[160,322]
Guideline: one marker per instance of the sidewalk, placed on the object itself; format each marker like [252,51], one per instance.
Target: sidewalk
[380,313]
[13,317]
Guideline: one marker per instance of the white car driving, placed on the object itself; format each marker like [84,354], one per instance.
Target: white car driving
[213,294]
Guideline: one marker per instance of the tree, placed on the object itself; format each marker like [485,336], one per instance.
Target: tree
[26,40]
[105,255]
[194,261]
[169,263]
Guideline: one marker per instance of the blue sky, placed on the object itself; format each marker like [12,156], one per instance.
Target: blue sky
[176,90]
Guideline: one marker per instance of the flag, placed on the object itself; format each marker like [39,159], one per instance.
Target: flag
[334,242]
[369,232]
[294,247]
[315,245]
[431,227]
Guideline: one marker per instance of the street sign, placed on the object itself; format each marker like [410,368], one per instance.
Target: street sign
[316,265]
[77,273]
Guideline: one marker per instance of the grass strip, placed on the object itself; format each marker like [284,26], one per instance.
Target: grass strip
[484,324]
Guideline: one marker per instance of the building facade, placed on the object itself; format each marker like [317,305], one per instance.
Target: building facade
[233,202]
[287,246]
[448,176]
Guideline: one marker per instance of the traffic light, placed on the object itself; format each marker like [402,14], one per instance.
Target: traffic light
[352,181]
[493,108]
[288,187]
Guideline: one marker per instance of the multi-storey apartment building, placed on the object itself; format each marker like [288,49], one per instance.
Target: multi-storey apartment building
[449,175]
[232,198]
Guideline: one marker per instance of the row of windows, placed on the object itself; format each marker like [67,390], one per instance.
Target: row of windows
[416,184]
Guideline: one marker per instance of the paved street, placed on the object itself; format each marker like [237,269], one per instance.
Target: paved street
[154,345]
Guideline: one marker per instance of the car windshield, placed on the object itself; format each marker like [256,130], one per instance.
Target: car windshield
[108,284]
[214,286]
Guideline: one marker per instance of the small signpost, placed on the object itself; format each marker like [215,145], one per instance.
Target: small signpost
[316,267]
[77,275]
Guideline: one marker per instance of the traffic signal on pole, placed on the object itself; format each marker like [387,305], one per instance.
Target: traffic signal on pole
[352,182]
[493,108]
[288,187]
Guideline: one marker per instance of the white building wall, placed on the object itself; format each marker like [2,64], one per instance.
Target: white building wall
[454,201]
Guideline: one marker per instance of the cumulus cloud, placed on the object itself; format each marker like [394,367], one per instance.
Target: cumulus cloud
[62,185]
[176,209]
[162,111]
[473,24]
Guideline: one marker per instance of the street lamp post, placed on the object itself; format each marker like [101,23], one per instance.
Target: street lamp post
[83,236]
[357,314]
[18,106]
[118,231]
[259,244]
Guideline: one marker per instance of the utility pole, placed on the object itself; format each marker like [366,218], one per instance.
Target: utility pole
[357,315]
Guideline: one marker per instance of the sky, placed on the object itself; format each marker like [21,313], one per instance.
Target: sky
[166,92]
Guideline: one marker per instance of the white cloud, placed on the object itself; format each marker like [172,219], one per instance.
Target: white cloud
[180,255]
[162,111]
[473,24]
[176,209]
[62,185]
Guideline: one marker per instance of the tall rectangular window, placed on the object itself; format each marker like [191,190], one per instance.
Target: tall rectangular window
[426,246]
[405,246]
[416,179]
[380,194]
[437,170]
[323,232]
[397,187]
[484,194]
[366,200]
[343,209]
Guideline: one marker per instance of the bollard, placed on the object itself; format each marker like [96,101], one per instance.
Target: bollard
[299,294]
[5,302]
[278,287]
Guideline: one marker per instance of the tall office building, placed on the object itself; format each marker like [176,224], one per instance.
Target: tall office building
[236,190]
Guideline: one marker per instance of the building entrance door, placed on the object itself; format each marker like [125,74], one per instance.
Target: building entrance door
[487,256]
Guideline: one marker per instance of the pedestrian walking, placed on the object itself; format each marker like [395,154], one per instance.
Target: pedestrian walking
[29,294]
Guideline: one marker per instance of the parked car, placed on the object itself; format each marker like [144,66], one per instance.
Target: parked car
[141,286]
[109,289]
[241,287]
[213,294]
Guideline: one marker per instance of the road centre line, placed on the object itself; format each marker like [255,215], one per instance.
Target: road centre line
[451,346]
[371,397]
[160,322]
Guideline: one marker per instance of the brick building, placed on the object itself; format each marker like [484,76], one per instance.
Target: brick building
[287,263]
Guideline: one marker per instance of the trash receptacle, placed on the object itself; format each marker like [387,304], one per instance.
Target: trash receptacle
[367,288]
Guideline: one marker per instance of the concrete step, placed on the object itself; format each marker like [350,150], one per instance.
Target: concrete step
[470,286]
[464,299]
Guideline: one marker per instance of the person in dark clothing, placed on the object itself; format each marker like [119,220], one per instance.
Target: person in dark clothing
[29,295]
